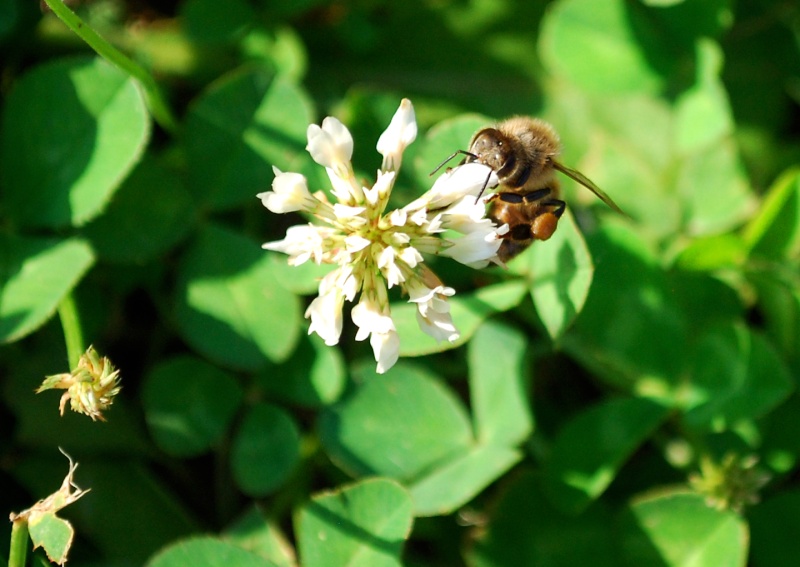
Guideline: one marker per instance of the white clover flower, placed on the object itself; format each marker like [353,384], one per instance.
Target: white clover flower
[290,193]
[374,249]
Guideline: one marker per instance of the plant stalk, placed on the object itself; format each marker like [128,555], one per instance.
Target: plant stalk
[155,101]
[18,551]
[73,332]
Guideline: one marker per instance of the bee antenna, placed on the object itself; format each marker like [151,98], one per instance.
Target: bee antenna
[485,184]
[454,154]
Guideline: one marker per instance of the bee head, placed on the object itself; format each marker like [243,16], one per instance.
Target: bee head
[492,148]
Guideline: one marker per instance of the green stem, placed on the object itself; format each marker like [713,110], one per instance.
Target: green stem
[155,101]
[18,552]
[73,333]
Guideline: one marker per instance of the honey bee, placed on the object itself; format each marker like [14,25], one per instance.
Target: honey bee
[522,152]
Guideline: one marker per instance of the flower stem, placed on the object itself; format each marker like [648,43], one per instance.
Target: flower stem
[18,551]
[73,333]
[155,101]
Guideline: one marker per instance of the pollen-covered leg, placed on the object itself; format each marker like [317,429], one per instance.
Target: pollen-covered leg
[543,226]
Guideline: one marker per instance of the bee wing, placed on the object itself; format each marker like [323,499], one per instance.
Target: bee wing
[589,184]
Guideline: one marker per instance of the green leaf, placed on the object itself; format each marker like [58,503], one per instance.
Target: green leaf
[561,272]
[281,47]
[712,253]
[35,275]
[361,525]
[598,46]
[303,279]
[467,310]
[702,113]
[206,552]
[265,450]
[779,303]
[776,541]
[592,447]
[255,533]
[686,23]
[736,376]
[452,484]
[709,300]
[152,517]
[441,141]
[138,226]
[314,376]
[189,405]
[630,299]
[213,23]
[677,529]
[622,144]
[53,534]
[780,436]
[714,189]
[238,129]
[498,383]
[230,305]
[72,131]
[398,424]
[525,529]
[774,232]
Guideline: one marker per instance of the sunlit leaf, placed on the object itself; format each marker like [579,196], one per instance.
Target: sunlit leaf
[779,302]
[598,46]
[230,305]
[631,330]
[361,525]
[206,552]
[498,387]
[237,130]
[72,130]
[253,532]
[737,375]
[561,272]
[714,188]
[712,253]
[775,231]
[702,113]
[592,446]
[36,274]
[453,484]
[398,425]
[677,529]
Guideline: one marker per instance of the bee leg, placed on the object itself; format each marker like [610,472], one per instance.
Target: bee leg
[558,206]
[517,239]
[545,223]
[538,195]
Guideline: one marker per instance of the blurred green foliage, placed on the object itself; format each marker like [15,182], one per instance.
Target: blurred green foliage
[593,379]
